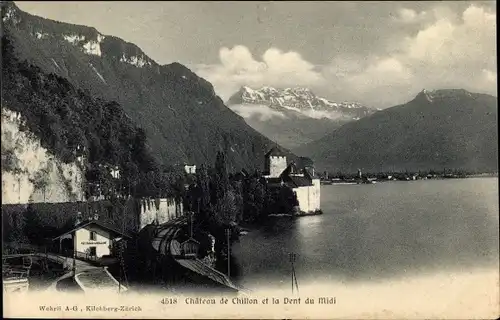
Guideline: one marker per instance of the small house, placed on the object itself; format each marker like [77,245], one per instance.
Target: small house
[90,239]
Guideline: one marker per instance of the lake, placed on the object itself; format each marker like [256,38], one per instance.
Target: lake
[379,232]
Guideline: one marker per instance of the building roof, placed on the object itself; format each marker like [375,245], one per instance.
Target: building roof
[308,174]
[297,181]
[273,180]
[100,223]
[290,169]
[275,152]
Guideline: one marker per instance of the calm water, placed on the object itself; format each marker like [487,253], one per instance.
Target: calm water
[380,231]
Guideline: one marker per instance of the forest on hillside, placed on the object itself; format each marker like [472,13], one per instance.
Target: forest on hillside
[221,200]
[70,123]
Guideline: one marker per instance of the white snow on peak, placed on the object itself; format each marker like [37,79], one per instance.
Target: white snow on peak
[247,89]
[310,105]
[427,94]
[135,61]
[302,100]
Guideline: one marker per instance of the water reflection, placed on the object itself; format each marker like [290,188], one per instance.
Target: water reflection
[377,232]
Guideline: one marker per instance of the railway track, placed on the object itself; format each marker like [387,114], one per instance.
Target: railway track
[164,243]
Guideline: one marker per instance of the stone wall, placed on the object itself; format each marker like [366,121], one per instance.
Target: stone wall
[159,210]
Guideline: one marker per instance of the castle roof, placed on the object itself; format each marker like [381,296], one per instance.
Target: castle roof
[275,152]
[297,181]
[294,181]
[290,169]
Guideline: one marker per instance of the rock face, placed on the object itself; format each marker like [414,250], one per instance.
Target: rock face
[184,119]
[452,129]
[293,116]
[32,174]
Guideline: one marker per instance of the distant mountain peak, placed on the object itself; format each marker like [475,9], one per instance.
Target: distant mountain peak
[445,128]
[87,40]
[301,100]
[431,95]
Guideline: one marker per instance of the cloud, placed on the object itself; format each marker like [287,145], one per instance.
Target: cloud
[276,68]
[319,114]
[261,112]
[406,15]
[438,49]
[450,52]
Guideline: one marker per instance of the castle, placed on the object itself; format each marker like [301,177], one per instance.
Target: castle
[303,181]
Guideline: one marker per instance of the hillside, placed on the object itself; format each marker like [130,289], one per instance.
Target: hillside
[185,121]
[436,130]
[56,136]
[293,116]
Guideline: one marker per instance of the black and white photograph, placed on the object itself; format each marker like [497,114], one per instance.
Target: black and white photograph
[250,159]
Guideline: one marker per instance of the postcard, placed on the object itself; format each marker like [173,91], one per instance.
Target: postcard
[262,159]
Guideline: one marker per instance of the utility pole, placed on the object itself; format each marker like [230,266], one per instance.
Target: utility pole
[293,257]
[19,188]
[191,224]
[74,254]
[228,234]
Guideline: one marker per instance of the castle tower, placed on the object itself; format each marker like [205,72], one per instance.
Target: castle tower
[275,163]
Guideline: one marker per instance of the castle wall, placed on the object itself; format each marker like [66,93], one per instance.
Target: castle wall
[309,197]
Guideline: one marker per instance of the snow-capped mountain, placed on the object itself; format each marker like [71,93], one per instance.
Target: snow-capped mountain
[293,116]
[301,100]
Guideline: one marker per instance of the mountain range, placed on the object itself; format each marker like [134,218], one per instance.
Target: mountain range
[440,129]
[185,121]
[66,66]
[293,116]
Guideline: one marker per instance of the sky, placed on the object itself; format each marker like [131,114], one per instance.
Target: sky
[377,53]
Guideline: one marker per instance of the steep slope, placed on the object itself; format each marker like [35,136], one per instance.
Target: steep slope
[293,116]
[184,119]
[30,172]
[59,124]
[436,130]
